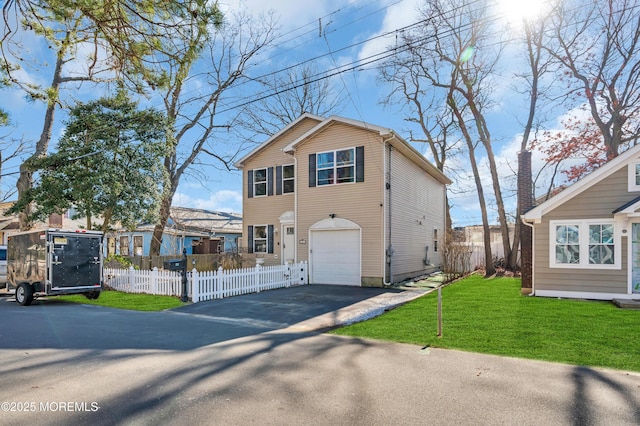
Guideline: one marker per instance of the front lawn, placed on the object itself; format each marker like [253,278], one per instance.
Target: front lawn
[491,316]
[120,300]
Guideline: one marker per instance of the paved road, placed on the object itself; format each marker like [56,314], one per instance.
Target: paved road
[122,367]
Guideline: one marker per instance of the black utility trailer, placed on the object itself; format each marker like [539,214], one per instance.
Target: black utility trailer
[52,262]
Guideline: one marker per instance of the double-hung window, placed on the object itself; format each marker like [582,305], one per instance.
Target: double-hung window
[584,244]
[336,167]
[260,239]
[259,182]
[288,178]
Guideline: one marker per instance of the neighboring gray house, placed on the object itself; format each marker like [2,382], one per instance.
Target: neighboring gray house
[586,239]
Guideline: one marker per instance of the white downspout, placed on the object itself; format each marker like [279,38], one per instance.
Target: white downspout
[386,209]
[533,250]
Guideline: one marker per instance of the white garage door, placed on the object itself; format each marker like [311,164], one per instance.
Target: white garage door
[335,257]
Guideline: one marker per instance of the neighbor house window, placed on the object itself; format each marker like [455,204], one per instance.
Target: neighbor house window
[584,244]
[601,247]
[259,182]
[137,245]
[124,246]
[221,245]
[633,180]
[288,177]
[567,244]
[111,246]
[336,167]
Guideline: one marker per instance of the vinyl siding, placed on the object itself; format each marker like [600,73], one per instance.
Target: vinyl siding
[267,210]
[597,202]
[417,201]
[359,202]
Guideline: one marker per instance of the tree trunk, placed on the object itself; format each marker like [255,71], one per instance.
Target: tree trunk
[165,212]
[485,137]
[25,181]
[488,256]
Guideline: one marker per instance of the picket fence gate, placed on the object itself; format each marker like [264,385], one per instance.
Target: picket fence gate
[208,285]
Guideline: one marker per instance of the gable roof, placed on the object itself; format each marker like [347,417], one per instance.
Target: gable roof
[306,116]
[387,134]
[535,214]
[206,220]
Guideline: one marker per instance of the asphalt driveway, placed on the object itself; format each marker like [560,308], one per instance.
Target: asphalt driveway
[56,324]
[307,308]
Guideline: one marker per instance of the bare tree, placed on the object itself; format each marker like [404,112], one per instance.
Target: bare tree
[10,149]
[457,59]
[411,90]
[539,65]
[598,45]
[193,116]
[298,91]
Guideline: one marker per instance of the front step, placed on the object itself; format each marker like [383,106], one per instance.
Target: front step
[627,303]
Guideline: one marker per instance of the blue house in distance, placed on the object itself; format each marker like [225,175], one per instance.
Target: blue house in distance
[199,231]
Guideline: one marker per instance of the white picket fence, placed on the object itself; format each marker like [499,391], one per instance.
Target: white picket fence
[168,283]
[220,284]
[208,285]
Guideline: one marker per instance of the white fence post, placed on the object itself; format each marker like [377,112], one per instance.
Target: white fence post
[256,282]
[154,281]
[132,279]
[218,283]
[195,286]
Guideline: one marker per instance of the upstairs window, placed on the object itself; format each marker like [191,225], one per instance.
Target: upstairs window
[336,167]
[288,179]
[259,182]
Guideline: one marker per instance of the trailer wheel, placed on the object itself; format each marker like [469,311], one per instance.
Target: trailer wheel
[92,295]
[24,294]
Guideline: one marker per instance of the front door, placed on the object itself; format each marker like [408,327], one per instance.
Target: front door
[635,258]
[288,244]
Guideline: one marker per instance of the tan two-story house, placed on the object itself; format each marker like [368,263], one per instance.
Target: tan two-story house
[355,200]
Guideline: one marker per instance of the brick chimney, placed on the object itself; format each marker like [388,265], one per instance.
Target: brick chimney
[525,203]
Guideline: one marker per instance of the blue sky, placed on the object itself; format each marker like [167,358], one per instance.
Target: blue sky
[311,29]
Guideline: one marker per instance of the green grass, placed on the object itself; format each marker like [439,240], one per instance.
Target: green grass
[491,316]
[120,300]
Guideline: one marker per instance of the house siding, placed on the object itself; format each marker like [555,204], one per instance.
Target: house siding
[417,201]
[360,202]
[596,203]
[267,210]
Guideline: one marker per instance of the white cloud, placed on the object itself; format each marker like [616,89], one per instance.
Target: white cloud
[398,15]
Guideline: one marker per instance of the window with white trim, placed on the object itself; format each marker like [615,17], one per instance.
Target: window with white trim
[260,239]
[288,177]
[260,182]
[583,244]
[336,167]
[633,172]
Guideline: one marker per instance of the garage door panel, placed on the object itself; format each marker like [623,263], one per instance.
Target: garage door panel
[335,257]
